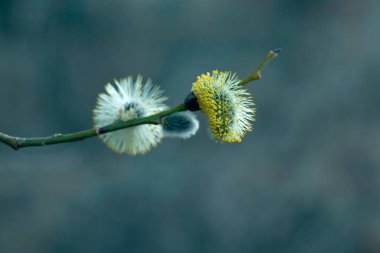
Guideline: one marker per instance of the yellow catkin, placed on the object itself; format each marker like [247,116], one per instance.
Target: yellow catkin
[219,111]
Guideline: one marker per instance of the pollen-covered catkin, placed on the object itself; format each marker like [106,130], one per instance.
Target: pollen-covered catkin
[228,107]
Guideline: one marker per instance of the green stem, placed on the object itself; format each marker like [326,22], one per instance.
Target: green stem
[19,142]
[257,74]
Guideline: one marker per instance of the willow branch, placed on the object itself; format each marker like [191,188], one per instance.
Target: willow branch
[20,142]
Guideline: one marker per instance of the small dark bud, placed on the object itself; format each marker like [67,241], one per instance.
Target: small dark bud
[191,102]
[102,130]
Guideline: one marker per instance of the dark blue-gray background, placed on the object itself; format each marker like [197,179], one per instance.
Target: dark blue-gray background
[306,180]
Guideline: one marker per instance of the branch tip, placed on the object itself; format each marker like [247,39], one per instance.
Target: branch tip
[257,74]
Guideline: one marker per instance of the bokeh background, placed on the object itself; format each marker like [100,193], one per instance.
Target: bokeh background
[306,180]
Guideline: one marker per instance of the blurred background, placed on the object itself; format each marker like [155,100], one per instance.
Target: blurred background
[306,180]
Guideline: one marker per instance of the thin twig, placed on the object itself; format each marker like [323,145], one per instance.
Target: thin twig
[18,142]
